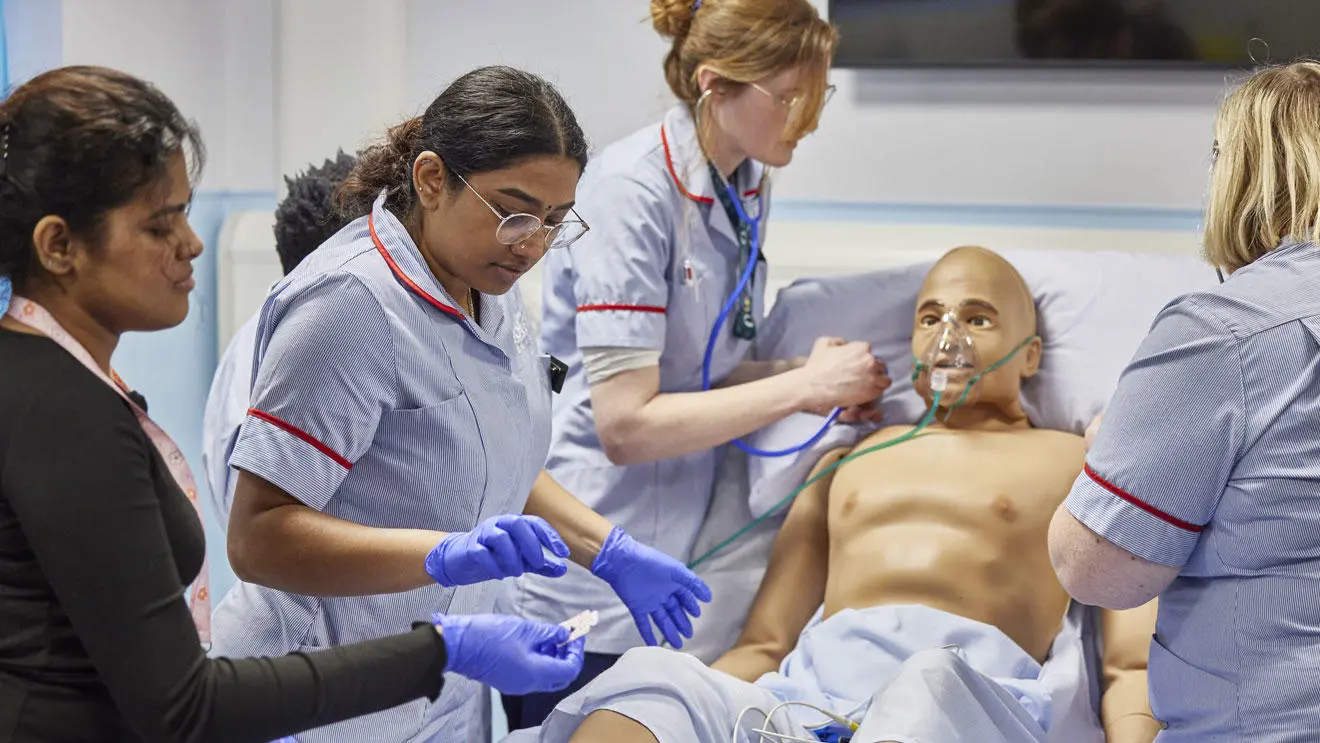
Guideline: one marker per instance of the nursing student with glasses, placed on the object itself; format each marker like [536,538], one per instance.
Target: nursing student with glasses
[518,228]
[676,211]
[390,466]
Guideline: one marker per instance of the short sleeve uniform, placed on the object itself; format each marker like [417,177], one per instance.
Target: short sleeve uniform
[1209,460]
[660,260]
[377,402]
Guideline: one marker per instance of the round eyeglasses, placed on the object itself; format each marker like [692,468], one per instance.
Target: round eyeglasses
[792,102]
[515,229]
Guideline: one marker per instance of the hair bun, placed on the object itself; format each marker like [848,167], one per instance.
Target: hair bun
[672,18]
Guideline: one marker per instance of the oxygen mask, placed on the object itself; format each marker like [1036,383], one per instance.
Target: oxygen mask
[950,364]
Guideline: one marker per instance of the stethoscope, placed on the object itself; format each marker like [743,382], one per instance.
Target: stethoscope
[754,226]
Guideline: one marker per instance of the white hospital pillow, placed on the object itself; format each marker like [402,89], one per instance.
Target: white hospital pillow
[1094,310]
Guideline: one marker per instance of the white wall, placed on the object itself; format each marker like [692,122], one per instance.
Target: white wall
[300,78]
[32,39]
[601,54]
[212,58]
[1056,138]
[342,76]
[899,137]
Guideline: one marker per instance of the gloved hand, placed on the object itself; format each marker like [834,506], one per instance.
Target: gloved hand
[500,547]
[654,586]
[512,655]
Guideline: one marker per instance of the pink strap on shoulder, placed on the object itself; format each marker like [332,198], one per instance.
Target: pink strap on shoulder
[36,317]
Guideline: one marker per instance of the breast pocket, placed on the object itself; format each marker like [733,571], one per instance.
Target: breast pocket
[426,468]
[692,313]
[694,291]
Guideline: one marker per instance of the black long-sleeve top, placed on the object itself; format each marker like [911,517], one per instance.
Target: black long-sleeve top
[97,547]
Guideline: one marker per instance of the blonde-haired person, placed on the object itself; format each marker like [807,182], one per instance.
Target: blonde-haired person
[631,307]
[1201,487]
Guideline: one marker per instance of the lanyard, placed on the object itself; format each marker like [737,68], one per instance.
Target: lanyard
[744,322]
[36,317]
[744,325]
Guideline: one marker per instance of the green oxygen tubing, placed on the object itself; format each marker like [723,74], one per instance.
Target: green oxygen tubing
[938,385]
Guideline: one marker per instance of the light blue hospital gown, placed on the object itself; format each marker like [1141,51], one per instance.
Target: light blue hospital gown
[378,403]
[908,673]
[1209,460]
[660,260]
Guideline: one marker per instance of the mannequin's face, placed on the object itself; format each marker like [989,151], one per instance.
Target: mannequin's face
[990,300]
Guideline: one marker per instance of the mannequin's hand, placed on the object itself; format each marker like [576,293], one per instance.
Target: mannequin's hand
[869,413]
[1092,429]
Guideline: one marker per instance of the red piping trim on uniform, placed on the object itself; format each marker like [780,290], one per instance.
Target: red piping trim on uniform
[289,427]
[621,308]
[403,277]
[1152,510]
[669,162]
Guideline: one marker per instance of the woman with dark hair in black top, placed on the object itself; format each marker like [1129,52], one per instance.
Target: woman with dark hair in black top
[100,638]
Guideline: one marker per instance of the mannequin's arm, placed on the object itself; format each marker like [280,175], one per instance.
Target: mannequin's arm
[793,586]
[1125,701]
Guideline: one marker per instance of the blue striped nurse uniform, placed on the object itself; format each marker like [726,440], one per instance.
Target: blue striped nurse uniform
[377,402]
[652,274]
[1209,461]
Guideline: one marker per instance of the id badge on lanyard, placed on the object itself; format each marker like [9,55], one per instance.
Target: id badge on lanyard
[744,321]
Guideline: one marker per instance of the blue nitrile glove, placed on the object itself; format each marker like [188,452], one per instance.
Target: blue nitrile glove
[6,291]
[500,547]
[515,656]
[653,585]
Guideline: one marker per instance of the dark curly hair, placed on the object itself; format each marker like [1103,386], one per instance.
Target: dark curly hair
[307,216]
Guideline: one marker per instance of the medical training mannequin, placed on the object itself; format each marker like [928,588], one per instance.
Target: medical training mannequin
[954,520]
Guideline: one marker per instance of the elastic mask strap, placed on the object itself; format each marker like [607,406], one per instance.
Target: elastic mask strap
[968,387]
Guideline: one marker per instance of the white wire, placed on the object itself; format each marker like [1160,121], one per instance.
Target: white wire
[737,724]
[831,715]
[783,736]
[769,722]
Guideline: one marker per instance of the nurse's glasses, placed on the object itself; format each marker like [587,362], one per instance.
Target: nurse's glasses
[515,229]
[791,103]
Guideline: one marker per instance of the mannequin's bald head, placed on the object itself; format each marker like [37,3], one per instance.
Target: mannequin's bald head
[992,301]
[975,270]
